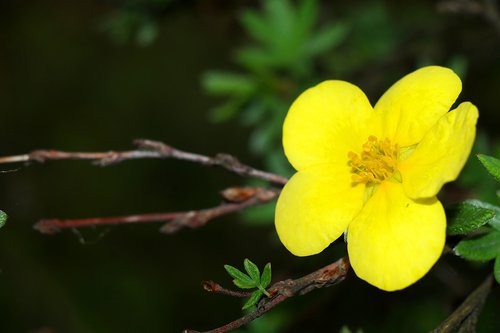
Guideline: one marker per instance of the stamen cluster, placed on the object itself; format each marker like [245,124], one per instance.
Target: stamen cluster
[376,162]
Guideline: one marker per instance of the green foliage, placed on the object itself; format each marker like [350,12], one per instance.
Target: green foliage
[493,222]
[473,214]
[286,36]
[468,216]
[134,21]
[482,248]
[3,218]
[126,26]
[253,300]
[287,42]
[251,279]
[491,164]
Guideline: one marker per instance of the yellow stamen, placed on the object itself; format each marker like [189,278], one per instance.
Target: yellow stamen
[376,162]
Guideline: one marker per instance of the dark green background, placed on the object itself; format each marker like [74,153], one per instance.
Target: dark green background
[64,84]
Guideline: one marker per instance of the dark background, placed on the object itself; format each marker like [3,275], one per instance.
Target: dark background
[65,84]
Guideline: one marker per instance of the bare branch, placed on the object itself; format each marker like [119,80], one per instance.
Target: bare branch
[280,291]
[149,149]
[214,287]
[465,316]
[252,196]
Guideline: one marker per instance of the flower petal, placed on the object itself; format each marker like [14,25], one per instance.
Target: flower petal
[325,123]
[416,102]
[441,154]
[315,207]
[394,241]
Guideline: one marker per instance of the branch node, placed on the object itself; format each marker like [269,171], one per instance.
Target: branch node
[160,147]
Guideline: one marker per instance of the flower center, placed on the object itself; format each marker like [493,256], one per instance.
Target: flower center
[377,161]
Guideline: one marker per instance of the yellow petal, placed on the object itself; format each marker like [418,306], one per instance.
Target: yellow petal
[416,102]
[325,123]
[394,241]
[442,153]
[315,207]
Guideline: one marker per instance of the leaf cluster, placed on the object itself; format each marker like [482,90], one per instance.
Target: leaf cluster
[252,279]
[481,222]
[3,218]
[286,41]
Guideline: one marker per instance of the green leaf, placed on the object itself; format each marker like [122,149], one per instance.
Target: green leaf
[227,83]
[241,280]
[245,284]
[252,270]
[307,16]
[491,164]
[483,248]
[254,299]
[495,221]
[327,39]
[256,26]
[496,269]
[227,110]
[3,218]
[265,279]
[468,216]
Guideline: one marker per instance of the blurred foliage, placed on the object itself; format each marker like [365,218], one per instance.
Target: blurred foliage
[134,21]
[279,62]
[3,218]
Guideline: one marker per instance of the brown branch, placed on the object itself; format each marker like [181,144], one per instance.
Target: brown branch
[465,316]
[239,198]
[280,291]
[214,287]
[148,149]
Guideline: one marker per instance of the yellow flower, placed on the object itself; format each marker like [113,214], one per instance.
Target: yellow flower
[375,173]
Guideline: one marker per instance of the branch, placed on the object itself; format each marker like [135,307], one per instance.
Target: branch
[237,198]
[282,290]
[148,149]
[214,287]
[465,316]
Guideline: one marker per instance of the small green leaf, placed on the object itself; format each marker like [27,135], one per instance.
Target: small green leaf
[241,280]
[3,218]
[326,39]
[495,221]
[227,83]
[244,284]
[491,164]
[252,270]
[466,217]
[265,279]
[254,299]
[483,248]
[496,269]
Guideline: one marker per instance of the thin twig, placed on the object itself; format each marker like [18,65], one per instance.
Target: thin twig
[191,219]
[214,287]
[465,316]
[148,149]
[280,291]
